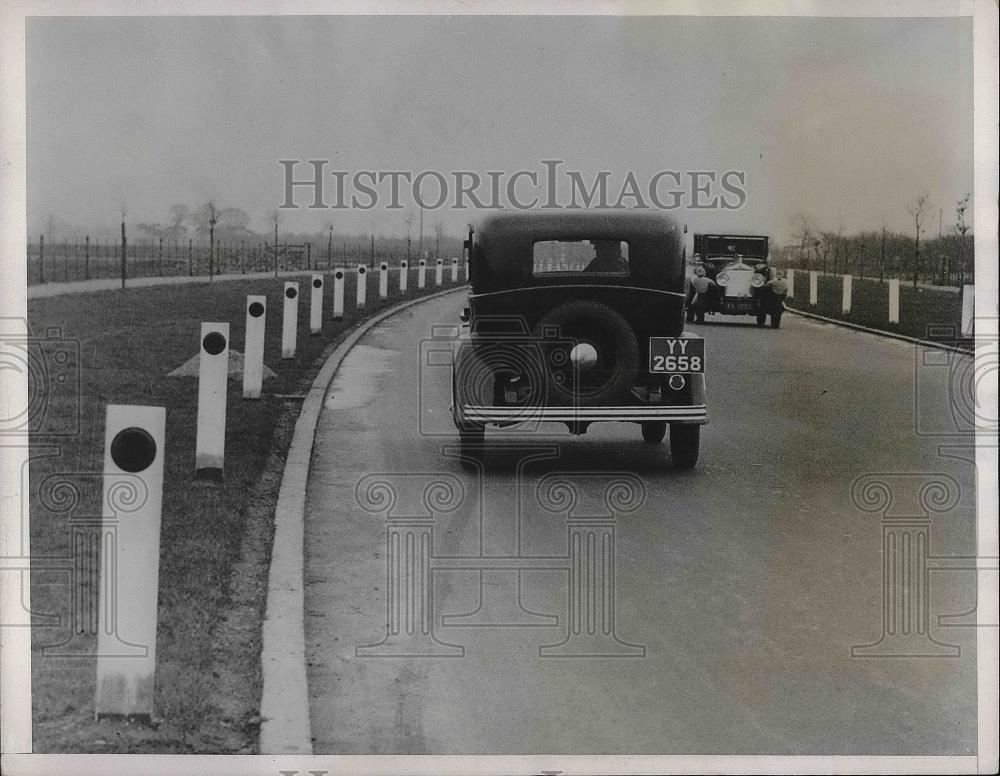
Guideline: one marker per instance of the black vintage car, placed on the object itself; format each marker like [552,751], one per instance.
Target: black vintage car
[579,318]
[743,278]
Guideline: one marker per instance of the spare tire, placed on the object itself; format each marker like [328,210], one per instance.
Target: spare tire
[605,378]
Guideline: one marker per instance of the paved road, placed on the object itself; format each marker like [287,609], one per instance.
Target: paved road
[736,590]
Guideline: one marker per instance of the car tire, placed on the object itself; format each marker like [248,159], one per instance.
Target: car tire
[685,442]
[471,441]
[653,431]
[585,319]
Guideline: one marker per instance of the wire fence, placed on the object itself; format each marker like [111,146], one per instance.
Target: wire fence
[64,261]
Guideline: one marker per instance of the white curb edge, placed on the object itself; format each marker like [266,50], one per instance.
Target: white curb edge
[880,332]
[284,707]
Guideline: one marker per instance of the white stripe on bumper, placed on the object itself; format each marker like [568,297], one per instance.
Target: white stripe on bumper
[697,413]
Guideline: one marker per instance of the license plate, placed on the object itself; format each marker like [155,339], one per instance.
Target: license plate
[676,354]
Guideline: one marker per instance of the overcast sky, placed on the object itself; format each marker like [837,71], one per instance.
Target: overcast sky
[845,119]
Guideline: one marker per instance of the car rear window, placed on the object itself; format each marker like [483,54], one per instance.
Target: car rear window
[596,257]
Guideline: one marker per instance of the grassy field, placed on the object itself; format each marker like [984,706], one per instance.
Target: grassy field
[215,539]
[924,313]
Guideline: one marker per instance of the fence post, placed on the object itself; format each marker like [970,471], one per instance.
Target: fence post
[813,287]
[86,258]
[845,305]
[893,300]
[383,280]
[41,258]
[161,257]
[421,273]
[404,271]
[190,262]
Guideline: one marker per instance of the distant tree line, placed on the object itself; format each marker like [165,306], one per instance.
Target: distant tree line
[946,259]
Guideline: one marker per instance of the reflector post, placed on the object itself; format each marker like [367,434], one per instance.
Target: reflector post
[253,350]
[338,293]
[290,320]
[130,560]
[213,373]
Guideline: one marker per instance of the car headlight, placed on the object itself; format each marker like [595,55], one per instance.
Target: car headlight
[722,279]
[757,280]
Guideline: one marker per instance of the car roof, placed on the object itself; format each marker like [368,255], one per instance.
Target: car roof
[580,224]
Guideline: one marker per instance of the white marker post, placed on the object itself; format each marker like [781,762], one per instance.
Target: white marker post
[439,272]
[968,310]
[894,300]
[359,301]
[790,279]
[338,293]
[253,350]
[813,287]
[290,320]
[383,280]
[465,260]
[845,305]
[422,273]
[316,305]
[130,560]
[404,273]
[454,270]
[213,374]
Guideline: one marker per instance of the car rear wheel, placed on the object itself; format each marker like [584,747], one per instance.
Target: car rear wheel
[591,357]
[685,441]
[653,431]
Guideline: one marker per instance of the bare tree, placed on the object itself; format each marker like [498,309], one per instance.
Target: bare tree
[918,212]
[213,219]
[961,228]
[802,232]
[438,232]
[276,220]
[409,225]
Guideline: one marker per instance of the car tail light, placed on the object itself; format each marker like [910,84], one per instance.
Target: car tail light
[676,382]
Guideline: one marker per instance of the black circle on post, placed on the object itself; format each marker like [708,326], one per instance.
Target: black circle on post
[361,270]
[133,449]
[291,293]
[339,275]
[256,309]
[384,266]
[317,283]
[214,343]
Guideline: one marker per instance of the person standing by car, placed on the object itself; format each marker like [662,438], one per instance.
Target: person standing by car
[700,286]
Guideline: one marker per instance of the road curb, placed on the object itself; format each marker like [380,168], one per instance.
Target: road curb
[881,333]
[284,707]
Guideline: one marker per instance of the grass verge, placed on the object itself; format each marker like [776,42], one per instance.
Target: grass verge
[215,538]
[924,313]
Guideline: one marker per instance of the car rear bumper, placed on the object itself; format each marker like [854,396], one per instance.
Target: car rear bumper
[692,413]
